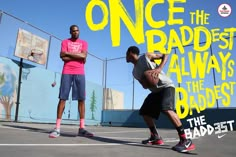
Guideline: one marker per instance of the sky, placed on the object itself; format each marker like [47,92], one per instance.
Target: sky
[56,16]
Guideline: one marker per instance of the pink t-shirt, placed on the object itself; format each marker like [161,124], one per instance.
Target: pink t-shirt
[73,67]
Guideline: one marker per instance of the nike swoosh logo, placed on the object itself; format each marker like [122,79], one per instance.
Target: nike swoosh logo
[187,145]
[220,136]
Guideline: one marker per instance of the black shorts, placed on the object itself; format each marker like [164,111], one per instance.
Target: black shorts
[157,102]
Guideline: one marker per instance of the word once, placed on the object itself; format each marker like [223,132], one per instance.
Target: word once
[118,12]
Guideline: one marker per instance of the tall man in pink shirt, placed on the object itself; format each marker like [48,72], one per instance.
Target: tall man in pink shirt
[73,53]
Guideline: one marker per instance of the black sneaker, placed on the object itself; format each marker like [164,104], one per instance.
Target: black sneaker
[83,132]
[154,140]
[184,146]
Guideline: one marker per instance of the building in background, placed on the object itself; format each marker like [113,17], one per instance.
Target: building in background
[113,99]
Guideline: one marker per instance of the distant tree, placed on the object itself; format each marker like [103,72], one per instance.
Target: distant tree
[93,105]
[7,103]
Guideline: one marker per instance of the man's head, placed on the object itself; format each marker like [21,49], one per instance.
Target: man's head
[74,31]
[132,54]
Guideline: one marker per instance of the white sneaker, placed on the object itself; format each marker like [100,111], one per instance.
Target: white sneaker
[55,133]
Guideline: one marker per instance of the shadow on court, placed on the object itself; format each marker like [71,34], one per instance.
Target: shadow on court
[24,138]
[95,138]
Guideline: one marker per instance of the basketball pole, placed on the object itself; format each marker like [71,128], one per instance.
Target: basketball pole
[18,91]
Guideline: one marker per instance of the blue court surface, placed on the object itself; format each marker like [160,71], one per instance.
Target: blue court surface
[31,140]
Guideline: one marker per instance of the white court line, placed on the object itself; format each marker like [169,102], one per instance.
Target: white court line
[99,132]
[135,138]
[53,145]
[122,138]
[66,145]
[110,132]
[107,144]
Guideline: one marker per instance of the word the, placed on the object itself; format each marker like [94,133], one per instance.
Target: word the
[201,128]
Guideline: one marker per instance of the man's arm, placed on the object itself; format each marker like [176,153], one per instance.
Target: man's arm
[143,83]
[66,56]
[162,57]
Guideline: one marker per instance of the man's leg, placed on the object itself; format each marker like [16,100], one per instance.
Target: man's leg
[185,144]
[81,109]
[65,86]
[149,110]
[154,138]
[176,122]
[60,108]
[79,93]
[150,123]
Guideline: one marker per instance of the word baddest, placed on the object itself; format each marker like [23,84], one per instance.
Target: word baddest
[201,128]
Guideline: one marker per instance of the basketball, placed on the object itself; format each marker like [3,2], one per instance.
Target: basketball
[151,78]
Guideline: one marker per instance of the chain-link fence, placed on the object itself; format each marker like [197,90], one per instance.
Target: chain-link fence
[116,75]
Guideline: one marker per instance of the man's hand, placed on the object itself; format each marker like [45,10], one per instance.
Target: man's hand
[156,72]
[148,82]
[63,54]
[162,57]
